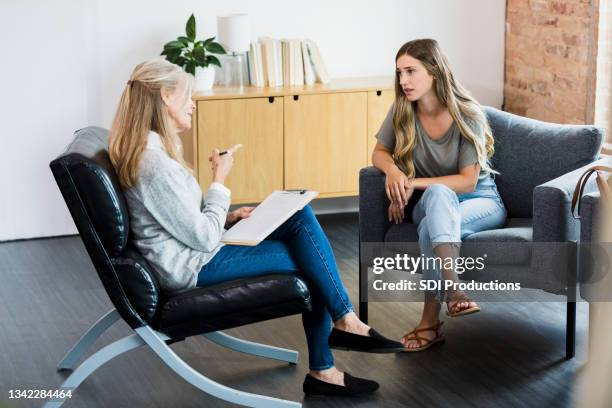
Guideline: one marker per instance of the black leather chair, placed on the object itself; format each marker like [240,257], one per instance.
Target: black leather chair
[90,188]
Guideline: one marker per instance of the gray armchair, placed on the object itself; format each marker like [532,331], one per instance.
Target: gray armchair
[539,165]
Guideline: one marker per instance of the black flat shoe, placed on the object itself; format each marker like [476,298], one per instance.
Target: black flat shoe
[374,343]
[352,386]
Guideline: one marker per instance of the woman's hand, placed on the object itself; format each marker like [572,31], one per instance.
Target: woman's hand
[236,215]
[396,213]
[398,186]
[222,164]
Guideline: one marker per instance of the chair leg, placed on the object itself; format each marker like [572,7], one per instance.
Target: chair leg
[95,331]
[157,342]
[256,349]
[363,306]
[363,312]
[570,331]
[94,362]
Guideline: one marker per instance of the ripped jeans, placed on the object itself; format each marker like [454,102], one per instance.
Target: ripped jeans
[444,216]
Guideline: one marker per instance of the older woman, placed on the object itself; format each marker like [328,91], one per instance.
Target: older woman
[178,230]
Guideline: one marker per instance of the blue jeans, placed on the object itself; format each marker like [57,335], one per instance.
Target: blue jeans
[444,216]
[298,246]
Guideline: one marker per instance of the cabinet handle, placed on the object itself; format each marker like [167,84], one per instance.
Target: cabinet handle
[271,99]
[378,93]
[296,97]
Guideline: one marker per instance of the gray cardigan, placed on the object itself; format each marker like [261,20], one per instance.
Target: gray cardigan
[176,229]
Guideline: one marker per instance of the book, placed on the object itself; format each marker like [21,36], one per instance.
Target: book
[255,65]
[278,60]
[277,208]
[286,72]
[309,76]
[251,65]
[299,63]
[269,64]
[317,62]
[261,75]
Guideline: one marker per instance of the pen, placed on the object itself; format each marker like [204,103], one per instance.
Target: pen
[301,191]
[231,150]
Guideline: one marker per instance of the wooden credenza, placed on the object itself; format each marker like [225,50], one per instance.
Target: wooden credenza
[315,137]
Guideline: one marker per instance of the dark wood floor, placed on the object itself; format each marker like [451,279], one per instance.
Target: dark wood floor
[509,355]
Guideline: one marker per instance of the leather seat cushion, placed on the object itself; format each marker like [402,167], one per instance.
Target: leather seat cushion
[233,303]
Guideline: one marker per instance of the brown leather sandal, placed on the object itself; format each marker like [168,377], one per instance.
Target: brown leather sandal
[452,311]
[424,343]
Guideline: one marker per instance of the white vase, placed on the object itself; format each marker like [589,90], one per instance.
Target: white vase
[204,78]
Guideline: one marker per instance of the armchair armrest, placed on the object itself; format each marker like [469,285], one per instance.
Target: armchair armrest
[373,205]
[552,218]
[589,217]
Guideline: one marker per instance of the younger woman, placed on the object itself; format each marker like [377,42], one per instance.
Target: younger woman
[436,138]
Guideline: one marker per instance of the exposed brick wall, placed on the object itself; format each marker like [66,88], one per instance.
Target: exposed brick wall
[551,47]
[603,93]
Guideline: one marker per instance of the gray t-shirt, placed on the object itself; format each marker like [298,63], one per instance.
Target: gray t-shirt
[434,158]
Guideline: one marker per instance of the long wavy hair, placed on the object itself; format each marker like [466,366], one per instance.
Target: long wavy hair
[466,112]
[141,110]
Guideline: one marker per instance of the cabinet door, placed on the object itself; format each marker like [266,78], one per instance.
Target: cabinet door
[379,103]
[256,123]
[325,142]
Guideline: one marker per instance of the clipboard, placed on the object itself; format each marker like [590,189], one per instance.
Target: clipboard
[277,208]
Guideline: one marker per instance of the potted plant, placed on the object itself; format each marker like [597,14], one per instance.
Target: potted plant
[195,56]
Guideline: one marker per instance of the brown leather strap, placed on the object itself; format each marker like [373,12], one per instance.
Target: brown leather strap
[604,189]
[413,335]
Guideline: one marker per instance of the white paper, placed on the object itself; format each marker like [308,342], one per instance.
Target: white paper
[277,208]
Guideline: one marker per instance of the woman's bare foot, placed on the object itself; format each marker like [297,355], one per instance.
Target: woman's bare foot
[458,301]
[422,337]
[429,318]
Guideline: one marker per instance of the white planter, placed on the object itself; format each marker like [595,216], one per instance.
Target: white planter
[204,78]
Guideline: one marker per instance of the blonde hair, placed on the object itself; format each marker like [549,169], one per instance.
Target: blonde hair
[466,112]
[141,110]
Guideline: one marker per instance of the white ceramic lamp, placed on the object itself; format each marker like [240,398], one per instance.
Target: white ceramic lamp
[234,34]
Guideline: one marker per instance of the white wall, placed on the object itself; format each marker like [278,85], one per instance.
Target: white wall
[64,64]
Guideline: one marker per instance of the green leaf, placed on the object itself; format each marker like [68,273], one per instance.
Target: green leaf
[190,28]
[208,41]
[199,55]
[180,61]
[215,48]
[174,45]
[211,59]
[184,40]
[172,55]
[190,67]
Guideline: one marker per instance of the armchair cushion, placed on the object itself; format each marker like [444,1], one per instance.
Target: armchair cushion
[529,152]
[495,243]
[234,303]
[504,246]
[405,232]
